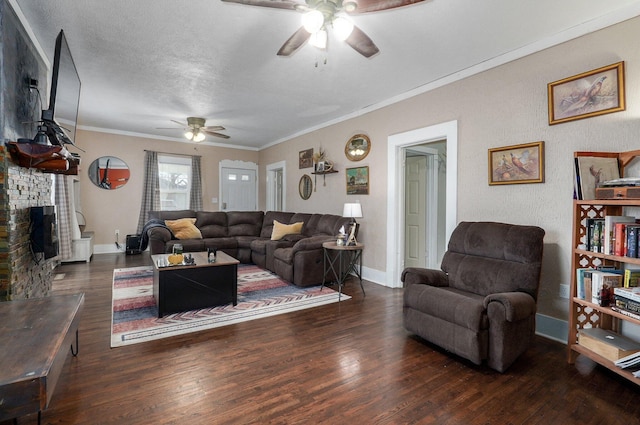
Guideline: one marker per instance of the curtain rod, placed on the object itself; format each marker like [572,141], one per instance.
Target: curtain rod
[171,153]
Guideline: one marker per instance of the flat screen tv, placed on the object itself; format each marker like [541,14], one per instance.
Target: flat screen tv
[61,117]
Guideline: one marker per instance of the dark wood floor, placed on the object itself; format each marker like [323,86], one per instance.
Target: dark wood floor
[347,363]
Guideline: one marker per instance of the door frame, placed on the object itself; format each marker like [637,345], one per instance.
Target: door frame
[241,165]
[396,145]
[271,182]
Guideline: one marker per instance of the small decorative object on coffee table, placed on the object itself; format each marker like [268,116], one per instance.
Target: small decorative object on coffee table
[198,284]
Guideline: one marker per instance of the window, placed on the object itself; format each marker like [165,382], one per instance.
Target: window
[175,182]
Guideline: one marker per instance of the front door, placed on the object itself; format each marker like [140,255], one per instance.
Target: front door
[238,189]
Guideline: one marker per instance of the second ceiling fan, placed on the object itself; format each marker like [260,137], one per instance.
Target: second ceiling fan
[196,130]
[321,14]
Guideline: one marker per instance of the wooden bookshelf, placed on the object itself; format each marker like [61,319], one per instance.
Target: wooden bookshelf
[584,313]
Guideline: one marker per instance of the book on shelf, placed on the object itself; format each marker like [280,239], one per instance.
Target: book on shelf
[608,344]
[632,240]
[627,304]
[630,360]
[620,239]
[626,312]
[583,283]
[595,234]
[602,285]
[631,278]
[632,293]
[609,230]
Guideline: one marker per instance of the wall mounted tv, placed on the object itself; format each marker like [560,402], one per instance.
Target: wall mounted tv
[59,120]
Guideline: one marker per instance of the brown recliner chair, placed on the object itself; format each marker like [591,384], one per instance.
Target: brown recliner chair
[482,304]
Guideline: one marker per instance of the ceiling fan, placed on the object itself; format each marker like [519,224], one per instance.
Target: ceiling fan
[196,130]
[320,14]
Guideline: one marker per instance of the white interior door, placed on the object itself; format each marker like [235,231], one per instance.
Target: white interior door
[415,205]
[238,189]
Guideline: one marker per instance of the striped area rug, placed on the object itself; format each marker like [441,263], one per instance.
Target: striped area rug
[260,294]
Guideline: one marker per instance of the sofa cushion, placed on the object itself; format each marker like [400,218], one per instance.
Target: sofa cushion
[212,224]
[244,223]
[184,228]
[281,230]
[465,309]
[172,215]
[269,216]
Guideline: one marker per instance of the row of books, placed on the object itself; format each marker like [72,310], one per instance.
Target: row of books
[598,285]
[613,235]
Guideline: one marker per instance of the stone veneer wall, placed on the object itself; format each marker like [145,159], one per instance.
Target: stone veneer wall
[22,274]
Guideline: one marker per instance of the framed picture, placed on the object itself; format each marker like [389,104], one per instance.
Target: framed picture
[591,170]
[589,94]
[305,158]
[358,180]
[517,164]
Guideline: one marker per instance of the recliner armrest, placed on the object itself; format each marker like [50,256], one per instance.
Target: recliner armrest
[517,305]
[417,275]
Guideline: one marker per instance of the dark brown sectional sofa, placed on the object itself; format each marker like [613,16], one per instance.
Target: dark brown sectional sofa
[246,235]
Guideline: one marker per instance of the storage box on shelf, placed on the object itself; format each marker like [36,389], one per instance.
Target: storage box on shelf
[583,313]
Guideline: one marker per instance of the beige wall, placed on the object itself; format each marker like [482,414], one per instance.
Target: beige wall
[108,210]
[499,107]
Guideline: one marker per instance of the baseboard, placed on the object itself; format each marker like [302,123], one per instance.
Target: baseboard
[552,328]
[110,248]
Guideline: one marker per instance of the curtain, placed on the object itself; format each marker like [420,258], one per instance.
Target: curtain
[150,189]
[195,196]
[63,215]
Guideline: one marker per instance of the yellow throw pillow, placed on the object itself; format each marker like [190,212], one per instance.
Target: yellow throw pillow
[184,228]
[281,230]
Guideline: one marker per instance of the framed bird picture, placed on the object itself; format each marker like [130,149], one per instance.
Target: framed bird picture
[592,93]
[517,164]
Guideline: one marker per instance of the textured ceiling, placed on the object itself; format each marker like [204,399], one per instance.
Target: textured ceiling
[144,63]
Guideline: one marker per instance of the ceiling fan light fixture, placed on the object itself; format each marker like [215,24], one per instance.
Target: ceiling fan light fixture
[199,137]
[319,39]
[343,27]
[312,21]
[189,135]
[349,6]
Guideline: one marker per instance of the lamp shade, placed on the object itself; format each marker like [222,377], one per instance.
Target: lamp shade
[353,210]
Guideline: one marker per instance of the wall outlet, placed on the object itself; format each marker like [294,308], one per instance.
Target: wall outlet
[563,291]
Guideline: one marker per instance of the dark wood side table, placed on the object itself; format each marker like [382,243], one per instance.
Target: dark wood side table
[342,260]
[35,335]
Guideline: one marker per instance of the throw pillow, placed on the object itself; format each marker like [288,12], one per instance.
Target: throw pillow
[184,228]
[281,230]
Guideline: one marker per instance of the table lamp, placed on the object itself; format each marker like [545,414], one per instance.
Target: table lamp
[352,210]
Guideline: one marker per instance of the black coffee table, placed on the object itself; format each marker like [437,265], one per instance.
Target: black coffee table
[191,287]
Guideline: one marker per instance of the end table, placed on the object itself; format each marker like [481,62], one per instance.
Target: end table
[346,259]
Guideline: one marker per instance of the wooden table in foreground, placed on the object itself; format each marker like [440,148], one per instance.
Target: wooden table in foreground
[190,287]
[35,335]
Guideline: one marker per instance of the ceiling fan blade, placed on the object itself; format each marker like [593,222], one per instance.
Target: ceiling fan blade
[181,124]
[212,128]
[362,43]
[278,4]
[365,6]
[294,42]
[213,133]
